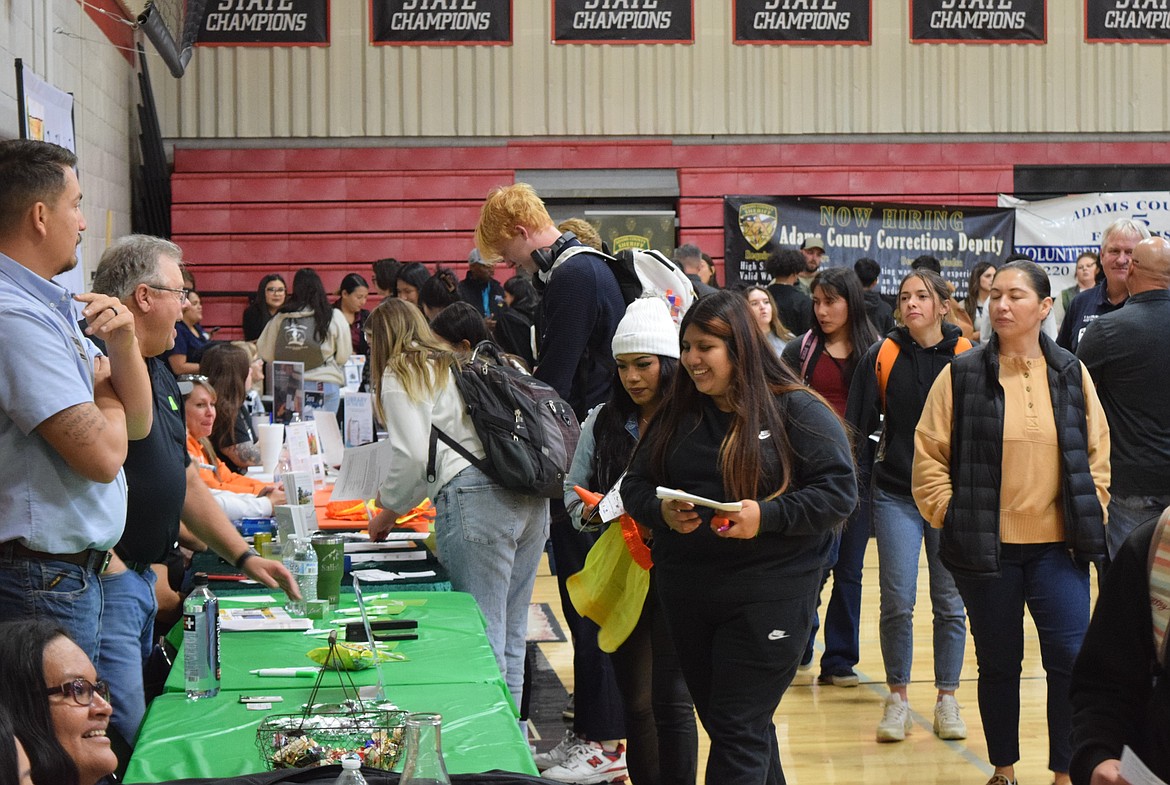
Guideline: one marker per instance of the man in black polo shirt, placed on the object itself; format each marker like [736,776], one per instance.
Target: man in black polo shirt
[144,273]
[1117,244]
[1127,353]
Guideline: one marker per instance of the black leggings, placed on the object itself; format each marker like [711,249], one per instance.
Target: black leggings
[661,736]
[596,699]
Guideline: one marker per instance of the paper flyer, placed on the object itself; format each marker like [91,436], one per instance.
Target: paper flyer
[359,419]
[304,449]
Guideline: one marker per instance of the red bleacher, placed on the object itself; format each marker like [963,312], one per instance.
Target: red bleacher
[242,213]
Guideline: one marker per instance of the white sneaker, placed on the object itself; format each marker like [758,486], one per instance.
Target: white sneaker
[896,721]
[947,722]
[590,764]
[560,753]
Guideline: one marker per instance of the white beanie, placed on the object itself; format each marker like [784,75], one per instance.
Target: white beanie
[646,329]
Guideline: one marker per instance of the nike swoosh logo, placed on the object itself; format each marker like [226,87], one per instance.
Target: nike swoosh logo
[776,635]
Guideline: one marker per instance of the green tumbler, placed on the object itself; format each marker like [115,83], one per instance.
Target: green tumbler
[330,567]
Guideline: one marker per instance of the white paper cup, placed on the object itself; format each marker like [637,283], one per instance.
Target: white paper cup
[271,440]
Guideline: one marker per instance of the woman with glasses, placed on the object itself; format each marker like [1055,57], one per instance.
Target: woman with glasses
[312,332]
[489,538]
[267,301]
[64,708]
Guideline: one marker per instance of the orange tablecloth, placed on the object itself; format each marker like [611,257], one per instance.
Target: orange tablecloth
[419,518]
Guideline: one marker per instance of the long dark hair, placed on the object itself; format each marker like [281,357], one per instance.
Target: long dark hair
[972,300]
[524,295]
[22,690]
[439,291]
[613,443]
[308,294]
[226,367]
[758,378]
[461,321]
[259,303]
[8,762]
[844,283]
[414,273]
[349,284]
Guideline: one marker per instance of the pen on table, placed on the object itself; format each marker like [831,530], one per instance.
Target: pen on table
[228,578]
[305,673]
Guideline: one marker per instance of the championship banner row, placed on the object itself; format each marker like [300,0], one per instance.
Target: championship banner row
[425,22]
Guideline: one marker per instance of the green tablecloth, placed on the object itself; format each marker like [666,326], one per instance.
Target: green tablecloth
[452,647]
[216,737]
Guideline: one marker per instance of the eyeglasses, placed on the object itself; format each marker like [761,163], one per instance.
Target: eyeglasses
[82,691]
[182,293]
[279,290]
[193,377]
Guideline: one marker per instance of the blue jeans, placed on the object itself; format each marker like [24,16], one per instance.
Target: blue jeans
[843,614]
[127,637]
[1126,513]
[63,593]
[901,534]
[1056,590]
[490,540]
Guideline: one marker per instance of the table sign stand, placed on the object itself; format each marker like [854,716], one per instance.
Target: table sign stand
[376,691]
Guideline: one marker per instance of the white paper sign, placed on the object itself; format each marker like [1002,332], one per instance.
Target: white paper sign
[304,449]
[359,419]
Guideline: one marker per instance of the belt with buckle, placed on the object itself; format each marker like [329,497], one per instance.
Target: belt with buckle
[90,558]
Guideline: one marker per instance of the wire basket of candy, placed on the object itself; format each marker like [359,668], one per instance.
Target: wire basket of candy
[324,733]
[298,741]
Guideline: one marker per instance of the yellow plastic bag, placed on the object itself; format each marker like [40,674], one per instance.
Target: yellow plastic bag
[610,589]
[349,657]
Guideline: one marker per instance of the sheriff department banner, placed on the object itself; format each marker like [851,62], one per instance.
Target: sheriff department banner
[802,22]
[892,233]
[423,22]
[1126,20]
[978,21]
[623,22]
[265,23]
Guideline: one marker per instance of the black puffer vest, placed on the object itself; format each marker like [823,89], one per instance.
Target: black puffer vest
[969,545]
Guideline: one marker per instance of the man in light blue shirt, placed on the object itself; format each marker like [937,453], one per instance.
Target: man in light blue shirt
[67,412]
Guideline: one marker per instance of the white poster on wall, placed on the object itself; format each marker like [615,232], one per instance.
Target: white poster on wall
[1055,231]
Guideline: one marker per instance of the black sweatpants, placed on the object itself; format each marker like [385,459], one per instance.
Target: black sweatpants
[738,659]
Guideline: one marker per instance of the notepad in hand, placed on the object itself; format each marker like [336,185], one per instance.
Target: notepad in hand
[673,494]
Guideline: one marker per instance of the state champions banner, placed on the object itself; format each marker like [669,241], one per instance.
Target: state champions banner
[801,22]
[1126,20]
[623,21]
[424,22]
[978,21]
[1054,232]
[265,23]
[892,233]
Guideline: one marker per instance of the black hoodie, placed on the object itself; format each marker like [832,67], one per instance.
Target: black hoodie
[910,379]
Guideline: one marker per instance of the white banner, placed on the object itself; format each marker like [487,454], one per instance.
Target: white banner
[1055,231]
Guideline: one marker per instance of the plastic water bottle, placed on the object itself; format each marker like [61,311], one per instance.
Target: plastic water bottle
[304,569]
[351,771]
[201,641]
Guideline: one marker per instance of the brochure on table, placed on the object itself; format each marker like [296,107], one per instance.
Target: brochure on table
[359,419]
[304,449]
[288,390]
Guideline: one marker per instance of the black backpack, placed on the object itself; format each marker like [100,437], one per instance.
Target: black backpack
[528,432]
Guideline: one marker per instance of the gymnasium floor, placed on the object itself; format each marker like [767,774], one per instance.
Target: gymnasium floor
[826,734]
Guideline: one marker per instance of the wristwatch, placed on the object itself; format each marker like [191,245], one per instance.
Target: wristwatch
[248,554]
